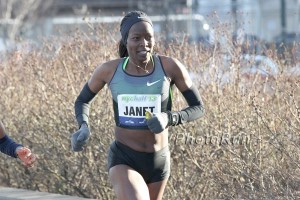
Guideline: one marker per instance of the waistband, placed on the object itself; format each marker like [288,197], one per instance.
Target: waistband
[128,149]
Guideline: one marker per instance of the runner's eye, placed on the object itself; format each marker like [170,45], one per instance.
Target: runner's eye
[148,38]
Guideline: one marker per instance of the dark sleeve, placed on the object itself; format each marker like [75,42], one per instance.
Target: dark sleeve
[82,104]
[8,146]
[193,112]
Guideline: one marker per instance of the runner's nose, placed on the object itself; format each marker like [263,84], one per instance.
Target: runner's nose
[144,42]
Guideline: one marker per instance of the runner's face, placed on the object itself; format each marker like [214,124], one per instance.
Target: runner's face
[140,42]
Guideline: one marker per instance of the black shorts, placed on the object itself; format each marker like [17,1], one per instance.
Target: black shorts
[153,167]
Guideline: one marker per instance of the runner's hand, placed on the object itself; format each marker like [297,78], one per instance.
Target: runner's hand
[80,138]
[25,155]
[157,122]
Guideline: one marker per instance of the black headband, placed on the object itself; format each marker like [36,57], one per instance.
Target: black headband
[130,20]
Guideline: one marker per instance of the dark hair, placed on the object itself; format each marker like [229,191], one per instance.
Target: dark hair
[122,50]
[128,20]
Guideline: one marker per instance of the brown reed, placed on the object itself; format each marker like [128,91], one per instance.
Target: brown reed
[245,147]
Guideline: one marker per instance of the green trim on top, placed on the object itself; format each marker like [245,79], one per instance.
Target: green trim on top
[125,63]
[171,94]
[127,59]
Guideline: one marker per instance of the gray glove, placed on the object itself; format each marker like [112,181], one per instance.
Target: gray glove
[80,138]
[158,122]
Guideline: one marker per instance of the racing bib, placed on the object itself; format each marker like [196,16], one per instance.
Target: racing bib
[133,107]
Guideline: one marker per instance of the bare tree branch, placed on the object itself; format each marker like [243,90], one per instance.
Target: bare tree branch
[18,15]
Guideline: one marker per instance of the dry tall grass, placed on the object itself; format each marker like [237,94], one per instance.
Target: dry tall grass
[246,146]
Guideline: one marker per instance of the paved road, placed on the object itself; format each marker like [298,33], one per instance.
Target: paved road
[20,194]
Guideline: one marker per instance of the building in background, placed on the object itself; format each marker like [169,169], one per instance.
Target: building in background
[267,19]
[172,19]
[195,19]
[253,17]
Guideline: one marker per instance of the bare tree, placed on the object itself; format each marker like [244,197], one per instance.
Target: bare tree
[17,16]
